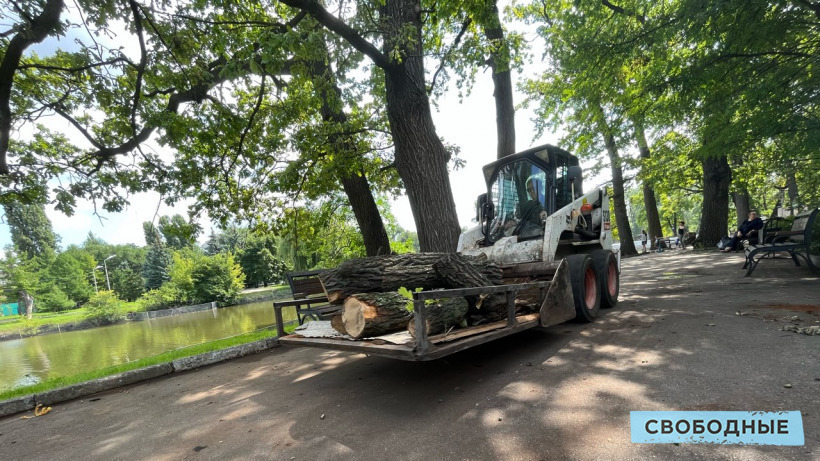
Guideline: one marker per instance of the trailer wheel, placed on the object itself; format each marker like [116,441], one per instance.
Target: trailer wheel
[609,278]
[586,291]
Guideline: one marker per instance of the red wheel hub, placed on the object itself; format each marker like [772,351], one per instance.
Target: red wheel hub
[611,278]
[590,287]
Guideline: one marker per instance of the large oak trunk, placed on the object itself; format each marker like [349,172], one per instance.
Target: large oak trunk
[421,159]
[389,273]
[373,314]
[717,175]
[441,316]
[502,83]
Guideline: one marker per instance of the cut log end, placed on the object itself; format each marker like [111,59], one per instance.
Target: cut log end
[353,317]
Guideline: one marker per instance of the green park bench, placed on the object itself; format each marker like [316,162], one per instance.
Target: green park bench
[795,242]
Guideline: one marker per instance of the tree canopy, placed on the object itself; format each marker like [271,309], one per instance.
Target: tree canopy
[258,112]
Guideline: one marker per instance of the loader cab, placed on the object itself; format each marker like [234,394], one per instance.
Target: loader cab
[523,189]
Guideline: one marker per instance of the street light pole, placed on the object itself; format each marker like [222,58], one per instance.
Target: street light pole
[94,274]
[105,266]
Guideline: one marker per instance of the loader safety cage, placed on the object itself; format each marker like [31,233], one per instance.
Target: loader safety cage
[426,347]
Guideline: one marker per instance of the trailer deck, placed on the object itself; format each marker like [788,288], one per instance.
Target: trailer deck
[403,346]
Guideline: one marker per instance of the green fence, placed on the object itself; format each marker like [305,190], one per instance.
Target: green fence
[9,309]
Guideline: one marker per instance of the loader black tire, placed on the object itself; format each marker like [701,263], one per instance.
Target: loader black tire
[586,290]
[606,263]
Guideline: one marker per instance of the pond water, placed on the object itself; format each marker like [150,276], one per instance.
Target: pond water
[31,360]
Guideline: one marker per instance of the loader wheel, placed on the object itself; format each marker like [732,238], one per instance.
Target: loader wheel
[586,291]
[610,279]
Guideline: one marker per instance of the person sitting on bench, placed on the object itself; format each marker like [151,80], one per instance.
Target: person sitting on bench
[747,231]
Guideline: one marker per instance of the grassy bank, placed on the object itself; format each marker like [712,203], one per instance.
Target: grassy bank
[25,327]
[165,357]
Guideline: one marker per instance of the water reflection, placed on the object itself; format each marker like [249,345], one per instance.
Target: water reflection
[30,360]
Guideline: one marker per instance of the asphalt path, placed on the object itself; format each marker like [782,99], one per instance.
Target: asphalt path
[690,333]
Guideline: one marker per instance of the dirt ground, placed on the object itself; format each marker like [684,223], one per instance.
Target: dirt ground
[690,333]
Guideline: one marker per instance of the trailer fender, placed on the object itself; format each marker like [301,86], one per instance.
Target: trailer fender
[558,306]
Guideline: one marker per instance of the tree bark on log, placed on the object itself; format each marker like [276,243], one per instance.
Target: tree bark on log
[389,273]
[457,272]
[373,314]
[441,316]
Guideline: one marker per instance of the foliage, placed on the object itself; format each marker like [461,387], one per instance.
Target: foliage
[218,278]
[104,308]
[52,300]
[157,264]
[259,261]
[30,228]
[164,297]
[180,273]
[69,274]
[177,232]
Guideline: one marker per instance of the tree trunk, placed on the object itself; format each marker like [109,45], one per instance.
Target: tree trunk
[38,28]
[618,194]
[25,301]
[421,159]
[742,204]
[356,186]
[441,316]
[373,314]
[502,82]
[389,273]
[649,201]
[794,199]
[717,175]
[368,217]
[457,272]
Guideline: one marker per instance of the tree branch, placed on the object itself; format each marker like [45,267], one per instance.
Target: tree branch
[74,69]
[641,18]
[34,32]
[338,26]
[444,58]
[140,66]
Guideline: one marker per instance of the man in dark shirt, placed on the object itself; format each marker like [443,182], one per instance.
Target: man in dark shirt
[747,230]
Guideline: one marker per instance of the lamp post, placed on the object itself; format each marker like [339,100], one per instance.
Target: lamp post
[105,266]
[94,274]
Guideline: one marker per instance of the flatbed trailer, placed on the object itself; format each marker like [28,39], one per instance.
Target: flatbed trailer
[556,307]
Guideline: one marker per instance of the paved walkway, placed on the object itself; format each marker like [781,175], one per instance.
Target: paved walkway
[691,333]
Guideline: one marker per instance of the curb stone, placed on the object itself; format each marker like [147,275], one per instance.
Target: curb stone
[74,391]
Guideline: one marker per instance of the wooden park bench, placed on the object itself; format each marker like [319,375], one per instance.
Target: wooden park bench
[309,299]
[795,242]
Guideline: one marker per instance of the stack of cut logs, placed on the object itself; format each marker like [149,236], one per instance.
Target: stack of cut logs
[372,305]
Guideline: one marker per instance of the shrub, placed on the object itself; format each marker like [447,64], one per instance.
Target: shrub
[164,297]
[104,308]
[218,278]
[54,300]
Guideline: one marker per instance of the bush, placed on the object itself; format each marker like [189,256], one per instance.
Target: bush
[104,308]
[164,297]
[54,300]
[218,278]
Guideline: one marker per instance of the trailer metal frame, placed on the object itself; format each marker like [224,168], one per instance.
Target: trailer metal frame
[426,347]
